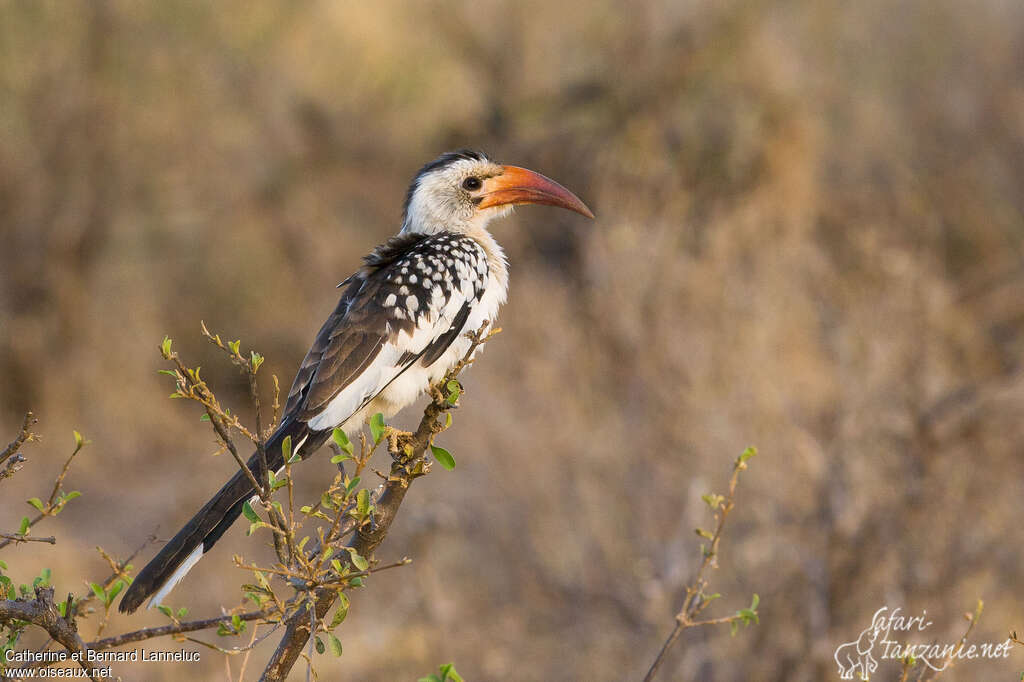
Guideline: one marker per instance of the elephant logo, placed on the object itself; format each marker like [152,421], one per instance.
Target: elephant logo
[855,657]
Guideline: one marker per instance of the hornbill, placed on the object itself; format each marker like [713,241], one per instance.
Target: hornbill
[399,327]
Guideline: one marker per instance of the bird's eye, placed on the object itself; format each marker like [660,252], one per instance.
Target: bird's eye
[471,183]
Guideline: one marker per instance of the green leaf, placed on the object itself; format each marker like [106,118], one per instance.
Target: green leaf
[249,512]
[72,495]
[358,560]
[204,417]
[320,646]
[335,644]
[352,485]
[356,582]
[342,441]
[443,457]
[165,347]
[454,391]
[36,502]
[256,360]
[112,593]
[339,458]
[713,500]
[168,372]
[234,346]
[79,441]
[754,602]
[3,565]
[448,673]
[182,612]
[286,448]
[363,502]
[748,453]
[341,612]
[25,523]
[166,610]
[377,427]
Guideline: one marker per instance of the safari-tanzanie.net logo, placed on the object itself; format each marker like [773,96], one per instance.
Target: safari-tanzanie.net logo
[893,636]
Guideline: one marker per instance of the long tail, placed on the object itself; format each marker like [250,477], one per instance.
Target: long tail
[186,548]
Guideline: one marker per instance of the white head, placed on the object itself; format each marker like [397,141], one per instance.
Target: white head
[463,191]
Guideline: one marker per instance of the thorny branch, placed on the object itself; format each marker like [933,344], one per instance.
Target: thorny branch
[696,599]
[408,454]
[315,596]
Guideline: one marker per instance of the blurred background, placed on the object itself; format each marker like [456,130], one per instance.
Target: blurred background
[810,238]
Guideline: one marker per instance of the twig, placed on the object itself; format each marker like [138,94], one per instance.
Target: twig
[13,537]
[176,628]
[695,601]
[24,436]
[52,504]
[949,662]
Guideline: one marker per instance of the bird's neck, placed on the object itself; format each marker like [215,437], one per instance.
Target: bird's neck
[496,262]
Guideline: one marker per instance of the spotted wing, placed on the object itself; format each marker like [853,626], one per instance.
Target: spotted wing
[407,305]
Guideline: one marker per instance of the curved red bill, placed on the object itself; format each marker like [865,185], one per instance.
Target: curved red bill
[521,186]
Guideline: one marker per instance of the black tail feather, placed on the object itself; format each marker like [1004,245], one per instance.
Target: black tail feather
[216,516]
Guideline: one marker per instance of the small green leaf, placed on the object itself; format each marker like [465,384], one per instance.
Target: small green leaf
[342,610]
[339,458]
[320,646]
[72,495]
[165,347]
[168,372]
[748,453]
[286,448]
[363,502]
[336,565]
[249,512]
[335,644]
[204,417]
[255,359]
[166,610]
[25,523]
[342,441]
[443,457]
[754,602]
[79,440]
[36,502]
[377,427]
[448,673]
[454,391]
[295,458]
[234,346]
[115,590]
[358,560]
[352,485]
[713,500]
[447,419]
[356,582]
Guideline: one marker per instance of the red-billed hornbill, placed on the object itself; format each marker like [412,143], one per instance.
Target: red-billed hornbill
[399,327]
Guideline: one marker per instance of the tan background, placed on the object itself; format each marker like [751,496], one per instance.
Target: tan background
[809,238]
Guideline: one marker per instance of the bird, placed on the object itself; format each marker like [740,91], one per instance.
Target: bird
[400,325]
